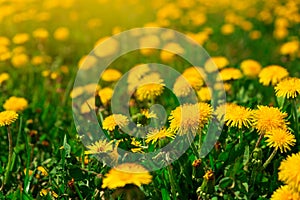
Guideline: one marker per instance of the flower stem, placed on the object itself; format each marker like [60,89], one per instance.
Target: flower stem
[10,154]
[174,186]
[259,139]
[294,105]
[270,158]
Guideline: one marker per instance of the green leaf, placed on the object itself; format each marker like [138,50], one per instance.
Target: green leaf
[165,194]
[246,155]
[67,147]
[226,182]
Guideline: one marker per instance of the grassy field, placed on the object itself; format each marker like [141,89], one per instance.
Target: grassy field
[255,56]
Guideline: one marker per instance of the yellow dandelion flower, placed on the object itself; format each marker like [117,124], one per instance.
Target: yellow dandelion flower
[227,29]
[280,139]
[138,146]
[158,134]
[111,46]
[193,77]
[105,95]
[88,106]
[87,62]
[37,60]
[42,170]
[204,94]
[196,71]
[148,114]
[100,146]
[15,104]
[230,74]
[272,74]
[149,91]
[20,38]
[289,171]
[8,117]
[19,60]
[171,50]
[214,63]
[209,175]
[238,116]
[3,77]
[91,88]
[255,34]
[127,173]
[44,192]
[111,75]
[288,88]
[19,50]
[149,40]
[61,34]
[189,118]
[250,68]
[289,48]
[110,122]
[182,87]
[285,193]
[137,72]
[268,118]
[76,92]
[40,34]
[4,41]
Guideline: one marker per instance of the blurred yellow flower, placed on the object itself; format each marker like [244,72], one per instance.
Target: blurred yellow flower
[251,68]
[227,29]
[285,193]
[189,118]
[280,33]
[255,34]
[280,139]
[266,119]
[111,47]
[215,63]
[194,77]
[40,34]
[182,87]
[105,95]
[15,104]
[127,173]
[61,34]
[204,94]
[4,77]
[289,48]
[88,105]
[19,60]
[289,171]
[4,41]
[111,75]
[288,88]
[8,117]
[76,92]
[272,74]
[110,122]
[20,38]
[158,134]
[87,62]
[228,74]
